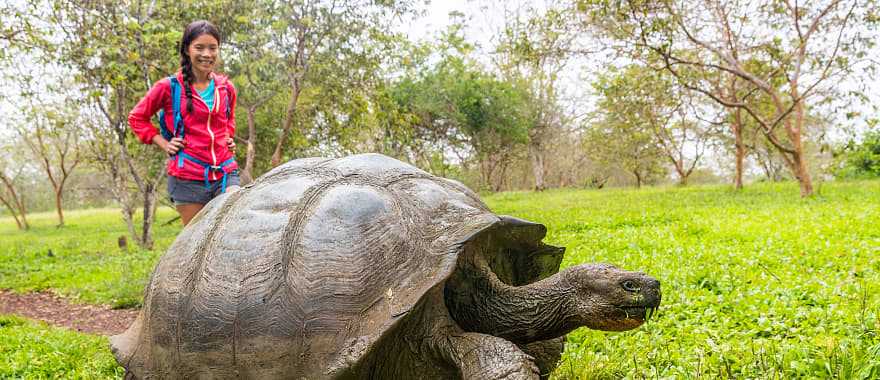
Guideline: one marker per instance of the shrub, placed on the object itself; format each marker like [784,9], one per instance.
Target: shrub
[860,160]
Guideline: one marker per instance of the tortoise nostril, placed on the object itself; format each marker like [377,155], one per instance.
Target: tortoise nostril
[630,286]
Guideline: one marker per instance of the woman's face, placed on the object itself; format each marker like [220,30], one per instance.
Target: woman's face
[203,52]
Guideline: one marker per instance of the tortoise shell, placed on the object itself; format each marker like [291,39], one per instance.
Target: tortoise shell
[301,273]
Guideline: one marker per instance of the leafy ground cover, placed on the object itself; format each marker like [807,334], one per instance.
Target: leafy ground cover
[756,284]
[31,350]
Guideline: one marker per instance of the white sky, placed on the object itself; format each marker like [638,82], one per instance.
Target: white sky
[437,18]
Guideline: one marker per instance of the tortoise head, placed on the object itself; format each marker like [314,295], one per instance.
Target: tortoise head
[611,299]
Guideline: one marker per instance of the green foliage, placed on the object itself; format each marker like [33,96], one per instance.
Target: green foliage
[82,260]
[334,55]
[756,284]
[33,350]
[860,160]
[634,104]
[456,106]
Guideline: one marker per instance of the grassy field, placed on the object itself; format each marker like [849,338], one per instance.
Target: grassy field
[756,284]
[82,260]
[30,350]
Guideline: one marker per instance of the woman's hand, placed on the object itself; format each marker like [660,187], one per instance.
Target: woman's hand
[170,147]
[230,142]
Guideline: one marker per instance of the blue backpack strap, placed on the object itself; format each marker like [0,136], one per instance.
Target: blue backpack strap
[181,155]
[175,106]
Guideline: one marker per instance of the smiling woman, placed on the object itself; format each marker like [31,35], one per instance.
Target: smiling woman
[197,137]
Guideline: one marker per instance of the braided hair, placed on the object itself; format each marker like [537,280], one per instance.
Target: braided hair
[193,31]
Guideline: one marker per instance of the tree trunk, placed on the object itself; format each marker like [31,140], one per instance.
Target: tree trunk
[23,214]
[58,198]
[288,125]
[14,214]
[683,178]
[501,176]
[150,203]
[638,179]
[740,148]
[18,201]
[247,175]
[128,217]
[799,160]
[536,155]
[122,195]
[800,167]
[486,174]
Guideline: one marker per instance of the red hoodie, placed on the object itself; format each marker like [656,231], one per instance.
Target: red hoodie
[205,130]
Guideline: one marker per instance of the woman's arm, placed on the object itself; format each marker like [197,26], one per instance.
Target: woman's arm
[139,117]
[233,97]
[230,122]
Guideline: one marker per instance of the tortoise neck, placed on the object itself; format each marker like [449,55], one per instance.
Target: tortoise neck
[481,302]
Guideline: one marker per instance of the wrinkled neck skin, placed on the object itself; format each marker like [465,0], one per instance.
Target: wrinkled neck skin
[480,302]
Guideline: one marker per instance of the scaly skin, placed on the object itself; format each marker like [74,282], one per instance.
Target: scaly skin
[585,295]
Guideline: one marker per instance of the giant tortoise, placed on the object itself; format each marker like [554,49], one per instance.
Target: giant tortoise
[365,267]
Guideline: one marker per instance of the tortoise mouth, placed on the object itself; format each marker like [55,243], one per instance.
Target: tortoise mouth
[638,313]
[624,318]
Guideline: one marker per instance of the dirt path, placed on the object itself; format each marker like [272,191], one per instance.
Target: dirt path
[57,311]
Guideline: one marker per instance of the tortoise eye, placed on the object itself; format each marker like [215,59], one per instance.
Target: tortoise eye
[630,286]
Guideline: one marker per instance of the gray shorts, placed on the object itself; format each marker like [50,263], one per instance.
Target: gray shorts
[183,191]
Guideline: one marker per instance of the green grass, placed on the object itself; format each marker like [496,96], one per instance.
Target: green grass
[756,284]
[85,263]
[31,350]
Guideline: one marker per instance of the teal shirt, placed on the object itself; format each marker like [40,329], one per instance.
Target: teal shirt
[208,95]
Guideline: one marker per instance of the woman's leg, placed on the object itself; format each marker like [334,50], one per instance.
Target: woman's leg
[188,210]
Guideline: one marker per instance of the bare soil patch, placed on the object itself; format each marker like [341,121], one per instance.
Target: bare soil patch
[55,310]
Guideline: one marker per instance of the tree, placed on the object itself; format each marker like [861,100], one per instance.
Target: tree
[456,108]
[623,134]
[49,124]
[535,48]
[338,37]
[10,194]
[860,159]
[647,101]
[55,143]
[484,113]
[612,142]
[723,36]
[257,71]
[16,28]
[727,86]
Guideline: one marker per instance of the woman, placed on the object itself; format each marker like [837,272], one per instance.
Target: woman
[199,105]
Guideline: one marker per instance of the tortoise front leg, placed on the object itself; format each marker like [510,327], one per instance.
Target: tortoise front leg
[481,356]
[546,353]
